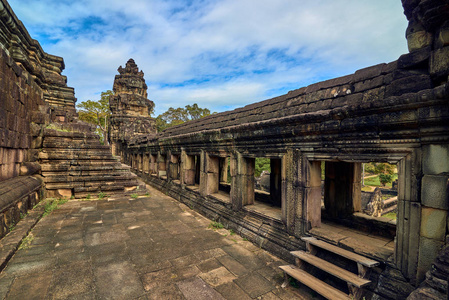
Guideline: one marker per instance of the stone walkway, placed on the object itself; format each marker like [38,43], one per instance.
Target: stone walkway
[151,247]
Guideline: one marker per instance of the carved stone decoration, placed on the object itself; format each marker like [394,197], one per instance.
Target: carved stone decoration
[130,107]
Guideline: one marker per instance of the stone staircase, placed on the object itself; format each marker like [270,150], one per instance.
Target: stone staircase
[307,261]
[75,163]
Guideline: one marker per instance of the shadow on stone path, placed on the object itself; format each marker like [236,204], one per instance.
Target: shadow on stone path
[152,247]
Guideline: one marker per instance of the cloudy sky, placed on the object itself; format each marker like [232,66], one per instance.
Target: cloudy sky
[221,54]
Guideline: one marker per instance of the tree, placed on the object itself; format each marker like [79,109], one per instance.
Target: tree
[97,113]
[384,170]
[176,116]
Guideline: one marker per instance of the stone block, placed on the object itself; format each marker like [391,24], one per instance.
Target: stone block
[212,164]
[436,159]
[419,40]
[414,58]
[212,183]
[439,62]
[435,191]
[433,223]
[428,251]
[443,36]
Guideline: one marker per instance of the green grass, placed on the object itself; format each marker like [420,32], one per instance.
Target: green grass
[390,215]
[134,196]
[26,242]
[216,225]
[374,181]
[101,195]
[51,204]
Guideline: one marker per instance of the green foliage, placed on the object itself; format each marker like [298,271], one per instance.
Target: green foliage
[385,179]
[52,204]
[26,242]
[390,215]
[101,195]
[88,197]
[376,181]
[380,168]
[215,225]
[134,195]
[231,232]
[262,164]
[176,116]
[56,127]
[97,112]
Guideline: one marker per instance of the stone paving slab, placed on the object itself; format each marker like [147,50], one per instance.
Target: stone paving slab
[151,247]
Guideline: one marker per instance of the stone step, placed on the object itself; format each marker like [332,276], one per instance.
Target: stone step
[69,134]
[364,261]
[45,157]
[314,283]
[110,177]
[74,173]
[71,145]
[389,209]
[390,202]
[70,185]
[330,268]
[66,167]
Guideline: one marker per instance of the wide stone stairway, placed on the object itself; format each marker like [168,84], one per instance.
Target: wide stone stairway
[75,163]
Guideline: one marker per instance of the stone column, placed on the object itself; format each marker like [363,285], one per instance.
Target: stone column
[223,169]
[312,193]
[409,215]
[209,174]
[435,205]
[187,168]
[357,187]
[153,164]
[242,181]
[174,167]
[291,192]
[161,165]
[275,182]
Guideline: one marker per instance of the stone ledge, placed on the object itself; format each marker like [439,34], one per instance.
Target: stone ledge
[15,189]
[11,242]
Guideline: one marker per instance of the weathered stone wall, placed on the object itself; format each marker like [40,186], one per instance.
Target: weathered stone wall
[20,100]
[44,69]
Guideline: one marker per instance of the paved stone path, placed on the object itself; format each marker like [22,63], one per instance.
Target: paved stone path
[152,247]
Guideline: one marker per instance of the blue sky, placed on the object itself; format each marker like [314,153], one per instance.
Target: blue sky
[221,54]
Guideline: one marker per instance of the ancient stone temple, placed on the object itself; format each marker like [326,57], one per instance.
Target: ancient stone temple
[316,139]
[130,107]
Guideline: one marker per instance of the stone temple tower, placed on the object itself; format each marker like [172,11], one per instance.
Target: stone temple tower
[130,107]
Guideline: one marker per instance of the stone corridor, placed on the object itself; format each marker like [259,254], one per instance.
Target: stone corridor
[150,247]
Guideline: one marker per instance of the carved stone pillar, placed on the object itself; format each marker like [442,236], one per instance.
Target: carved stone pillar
[209,174]
[242,181]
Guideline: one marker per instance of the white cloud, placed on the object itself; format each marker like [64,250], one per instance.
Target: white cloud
[219,53]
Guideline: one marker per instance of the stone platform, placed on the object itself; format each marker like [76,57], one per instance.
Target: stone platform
[150,247]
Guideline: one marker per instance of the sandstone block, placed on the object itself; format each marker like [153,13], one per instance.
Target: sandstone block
[436,159]
[439,62]
[435,191]
[419,40]
[433,223]
[443,36]
[428,251]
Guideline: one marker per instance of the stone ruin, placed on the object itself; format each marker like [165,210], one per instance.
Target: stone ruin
[130,107]
[396,112]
